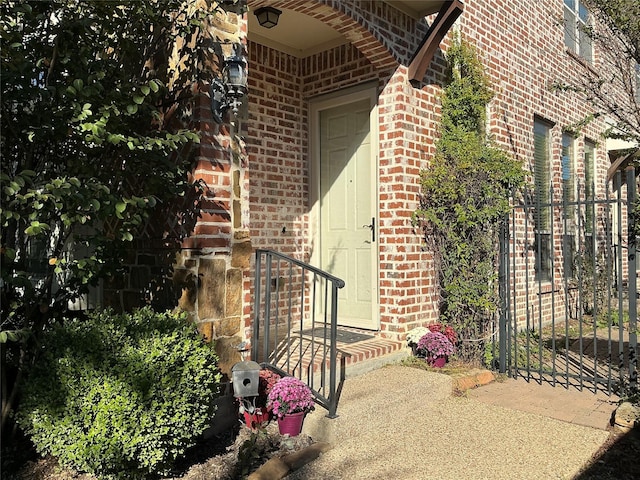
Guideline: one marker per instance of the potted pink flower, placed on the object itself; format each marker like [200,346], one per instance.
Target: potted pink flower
[290,400]
[436,348]
[446,330]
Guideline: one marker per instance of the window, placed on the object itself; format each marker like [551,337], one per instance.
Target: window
[568,202]
[568,178]
[589,197]
[542,185]
[577,29]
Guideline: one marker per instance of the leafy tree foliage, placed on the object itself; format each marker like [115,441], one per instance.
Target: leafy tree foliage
[465,195]
[613,87]
[621,41]
[96,144]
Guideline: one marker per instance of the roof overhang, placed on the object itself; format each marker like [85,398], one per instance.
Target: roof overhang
[418,8]
[447,15]
[621,159]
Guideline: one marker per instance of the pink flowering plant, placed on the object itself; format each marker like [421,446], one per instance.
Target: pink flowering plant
[290,395]
[267,379]
[435,344]
[446,330]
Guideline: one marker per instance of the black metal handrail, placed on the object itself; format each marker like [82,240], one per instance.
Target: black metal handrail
[296,314]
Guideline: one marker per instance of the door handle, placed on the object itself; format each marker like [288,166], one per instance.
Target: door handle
[372,227]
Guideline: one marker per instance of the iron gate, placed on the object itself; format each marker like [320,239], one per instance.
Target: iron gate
[569,293]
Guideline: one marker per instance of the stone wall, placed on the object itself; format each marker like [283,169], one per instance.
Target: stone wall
[212,294]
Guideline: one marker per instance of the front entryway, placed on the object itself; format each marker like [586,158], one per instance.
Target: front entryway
[345,163]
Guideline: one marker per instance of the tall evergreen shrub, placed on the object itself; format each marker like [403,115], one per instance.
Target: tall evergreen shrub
[465,196]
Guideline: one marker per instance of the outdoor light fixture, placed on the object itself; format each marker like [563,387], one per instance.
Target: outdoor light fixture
[268,16]
[227,92]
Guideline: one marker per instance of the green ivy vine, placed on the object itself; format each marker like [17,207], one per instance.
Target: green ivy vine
[464,197]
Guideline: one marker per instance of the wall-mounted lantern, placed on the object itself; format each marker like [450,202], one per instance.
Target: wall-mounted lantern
[228,91]
[268,16]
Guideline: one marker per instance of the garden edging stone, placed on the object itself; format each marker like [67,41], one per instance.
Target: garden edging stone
[471,379]
[279,467]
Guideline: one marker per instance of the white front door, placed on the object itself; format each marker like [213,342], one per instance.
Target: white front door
[347,214]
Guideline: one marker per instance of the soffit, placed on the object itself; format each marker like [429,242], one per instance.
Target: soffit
[300,35]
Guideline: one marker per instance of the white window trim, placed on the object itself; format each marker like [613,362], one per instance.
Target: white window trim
[579,27]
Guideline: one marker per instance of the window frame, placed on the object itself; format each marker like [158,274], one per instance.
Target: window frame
[568,172]
[589,159]
[542,149]
[589,165]
[568,177]
[577,23]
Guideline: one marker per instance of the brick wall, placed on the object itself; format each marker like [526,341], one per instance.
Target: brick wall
[212,268]
[280,86]
[522,48]
[407,132]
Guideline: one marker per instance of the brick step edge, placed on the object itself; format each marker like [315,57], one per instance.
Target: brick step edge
[472,379]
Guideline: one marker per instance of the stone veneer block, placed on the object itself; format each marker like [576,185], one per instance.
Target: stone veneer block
[240,235]
[226,327]
[211,294]
[206,329]
[186,281]
[233,293]
[228,355]
[236,183]
[241,253]
[237,214]
[186,301]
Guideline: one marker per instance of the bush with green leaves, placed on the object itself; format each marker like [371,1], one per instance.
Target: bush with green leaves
[465,197]
[120,395]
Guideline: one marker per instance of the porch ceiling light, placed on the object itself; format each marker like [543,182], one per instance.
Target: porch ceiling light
[228,91]
[268,16]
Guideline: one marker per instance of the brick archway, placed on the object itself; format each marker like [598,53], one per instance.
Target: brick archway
[357,23]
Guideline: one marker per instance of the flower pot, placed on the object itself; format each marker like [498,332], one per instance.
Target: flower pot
[437,362]
[256,419]
[291,424]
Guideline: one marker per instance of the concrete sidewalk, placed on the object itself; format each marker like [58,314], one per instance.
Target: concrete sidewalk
[403,423]
[567,404]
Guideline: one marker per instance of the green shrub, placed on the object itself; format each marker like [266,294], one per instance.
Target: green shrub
[612,317]
[120,395]
[465,195]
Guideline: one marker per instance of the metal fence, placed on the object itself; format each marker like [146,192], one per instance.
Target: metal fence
[569,293]
[295,324]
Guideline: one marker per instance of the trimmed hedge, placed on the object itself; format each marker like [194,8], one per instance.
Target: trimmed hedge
[120,396]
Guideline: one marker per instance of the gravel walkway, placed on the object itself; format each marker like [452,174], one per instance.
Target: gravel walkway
[403,423]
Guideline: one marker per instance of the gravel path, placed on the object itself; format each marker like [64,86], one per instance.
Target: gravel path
[403,423]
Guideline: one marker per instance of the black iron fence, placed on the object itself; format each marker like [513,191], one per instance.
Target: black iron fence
[568,287]
[295,324]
